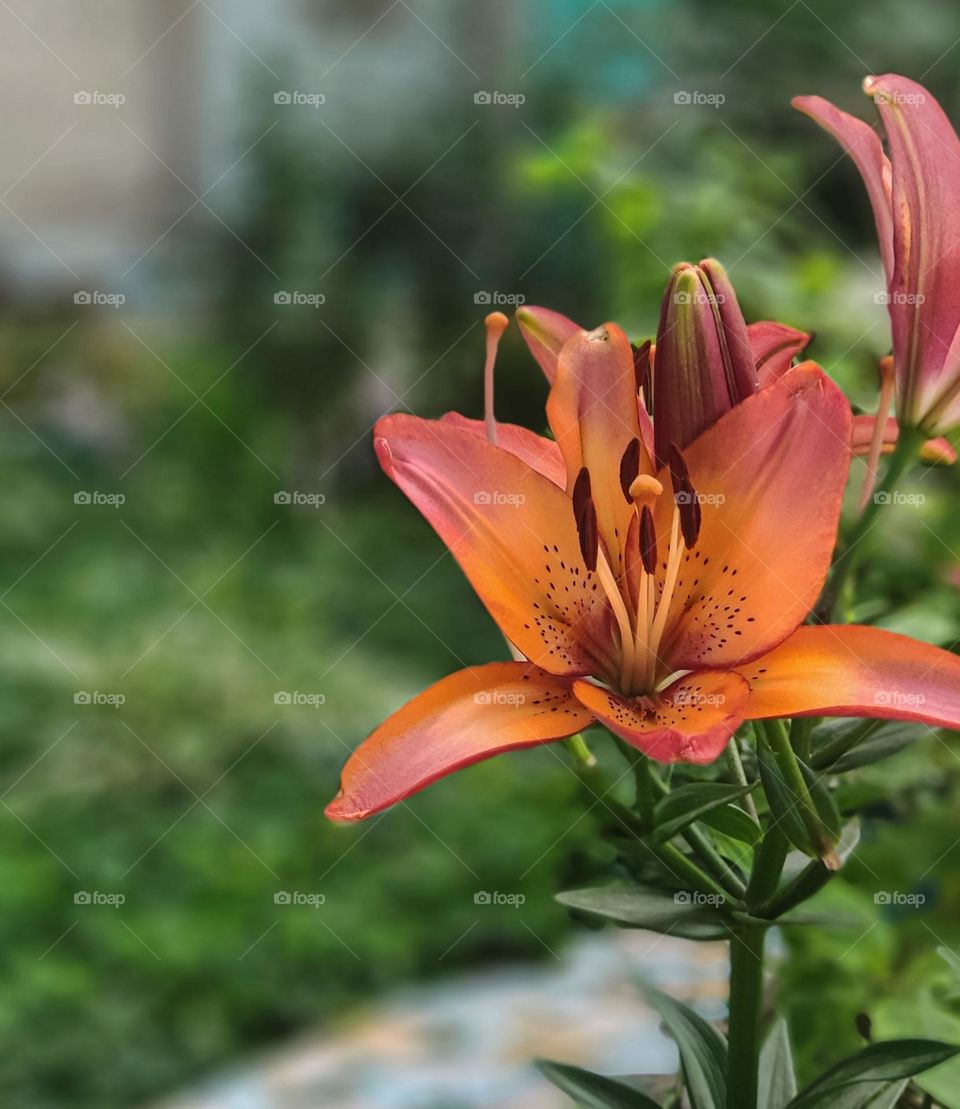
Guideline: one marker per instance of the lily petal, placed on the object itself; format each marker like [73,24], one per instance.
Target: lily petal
[770,477]
[851,670]
[863,145]
[545,332]
[513,533]
[592,409]
[938,451]
[539,452]
[465,717]
[774,346]
[691,721]
[924,292]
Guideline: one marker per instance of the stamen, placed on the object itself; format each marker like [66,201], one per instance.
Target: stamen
[495,323]
[887,381]
[674,560]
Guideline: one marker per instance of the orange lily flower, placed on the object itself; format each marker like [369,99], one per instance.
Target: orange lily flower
[664,602]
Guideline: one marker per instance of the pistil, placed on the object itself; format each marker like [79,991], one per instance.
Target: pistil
[495,323]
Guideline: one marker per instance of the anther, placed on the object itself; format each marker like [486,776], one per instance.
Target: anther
[648,540]
[585,516]
[495,323]
[630,468]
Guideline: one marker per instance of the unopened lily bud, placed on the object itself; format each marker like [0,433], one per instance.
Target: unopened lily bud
[704,363]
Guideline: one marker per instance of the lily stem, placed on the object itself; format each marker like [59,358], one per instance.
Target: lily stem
[740,776]
[746,1002]
[904,453]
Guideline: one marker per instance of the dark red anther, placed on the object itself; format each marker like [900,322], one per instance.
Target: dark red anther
[685,496]
[648,540]
[585,516]
[629,467]
[643,372]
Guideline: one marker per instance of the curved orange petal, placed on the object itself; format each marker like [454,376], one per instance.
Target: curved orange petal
[545,332]
[539,452]
[774,346]
[863,145]
[938,451]
[465,717]
[770,476]
[513,533]
[592,409]
[851,670]
[691,721]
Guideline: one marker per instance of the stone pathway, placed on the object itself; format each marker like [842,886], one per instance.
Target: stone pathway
[467,1042]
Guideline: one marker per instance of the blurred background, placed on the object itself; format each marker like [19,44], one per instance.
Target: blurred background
[233,235]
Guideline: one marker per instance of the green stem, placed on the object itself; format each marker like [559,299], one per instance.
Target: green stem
[904,453]
[681,866]
[800,729]
[832,752]
[809,881]
[740,775]
[746,999]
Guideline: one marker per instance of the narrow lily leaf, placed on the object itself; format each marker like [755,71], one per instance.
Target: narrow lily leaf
[880,742]
[950,958]
[884,1062]
[787,806]
[659,911]
[593,1091]
[703,1050]
[732,821]
[864,1095]
[683,806]
[778,1083]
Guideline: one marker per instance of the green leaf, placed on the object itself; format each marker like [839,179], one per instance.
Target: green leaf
[703,1050]
[683,806]
[950,958]
[733,822]
[886,738]
[786,805]
[644,907]
[593,1091]
[884,1062]
[778,1083]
